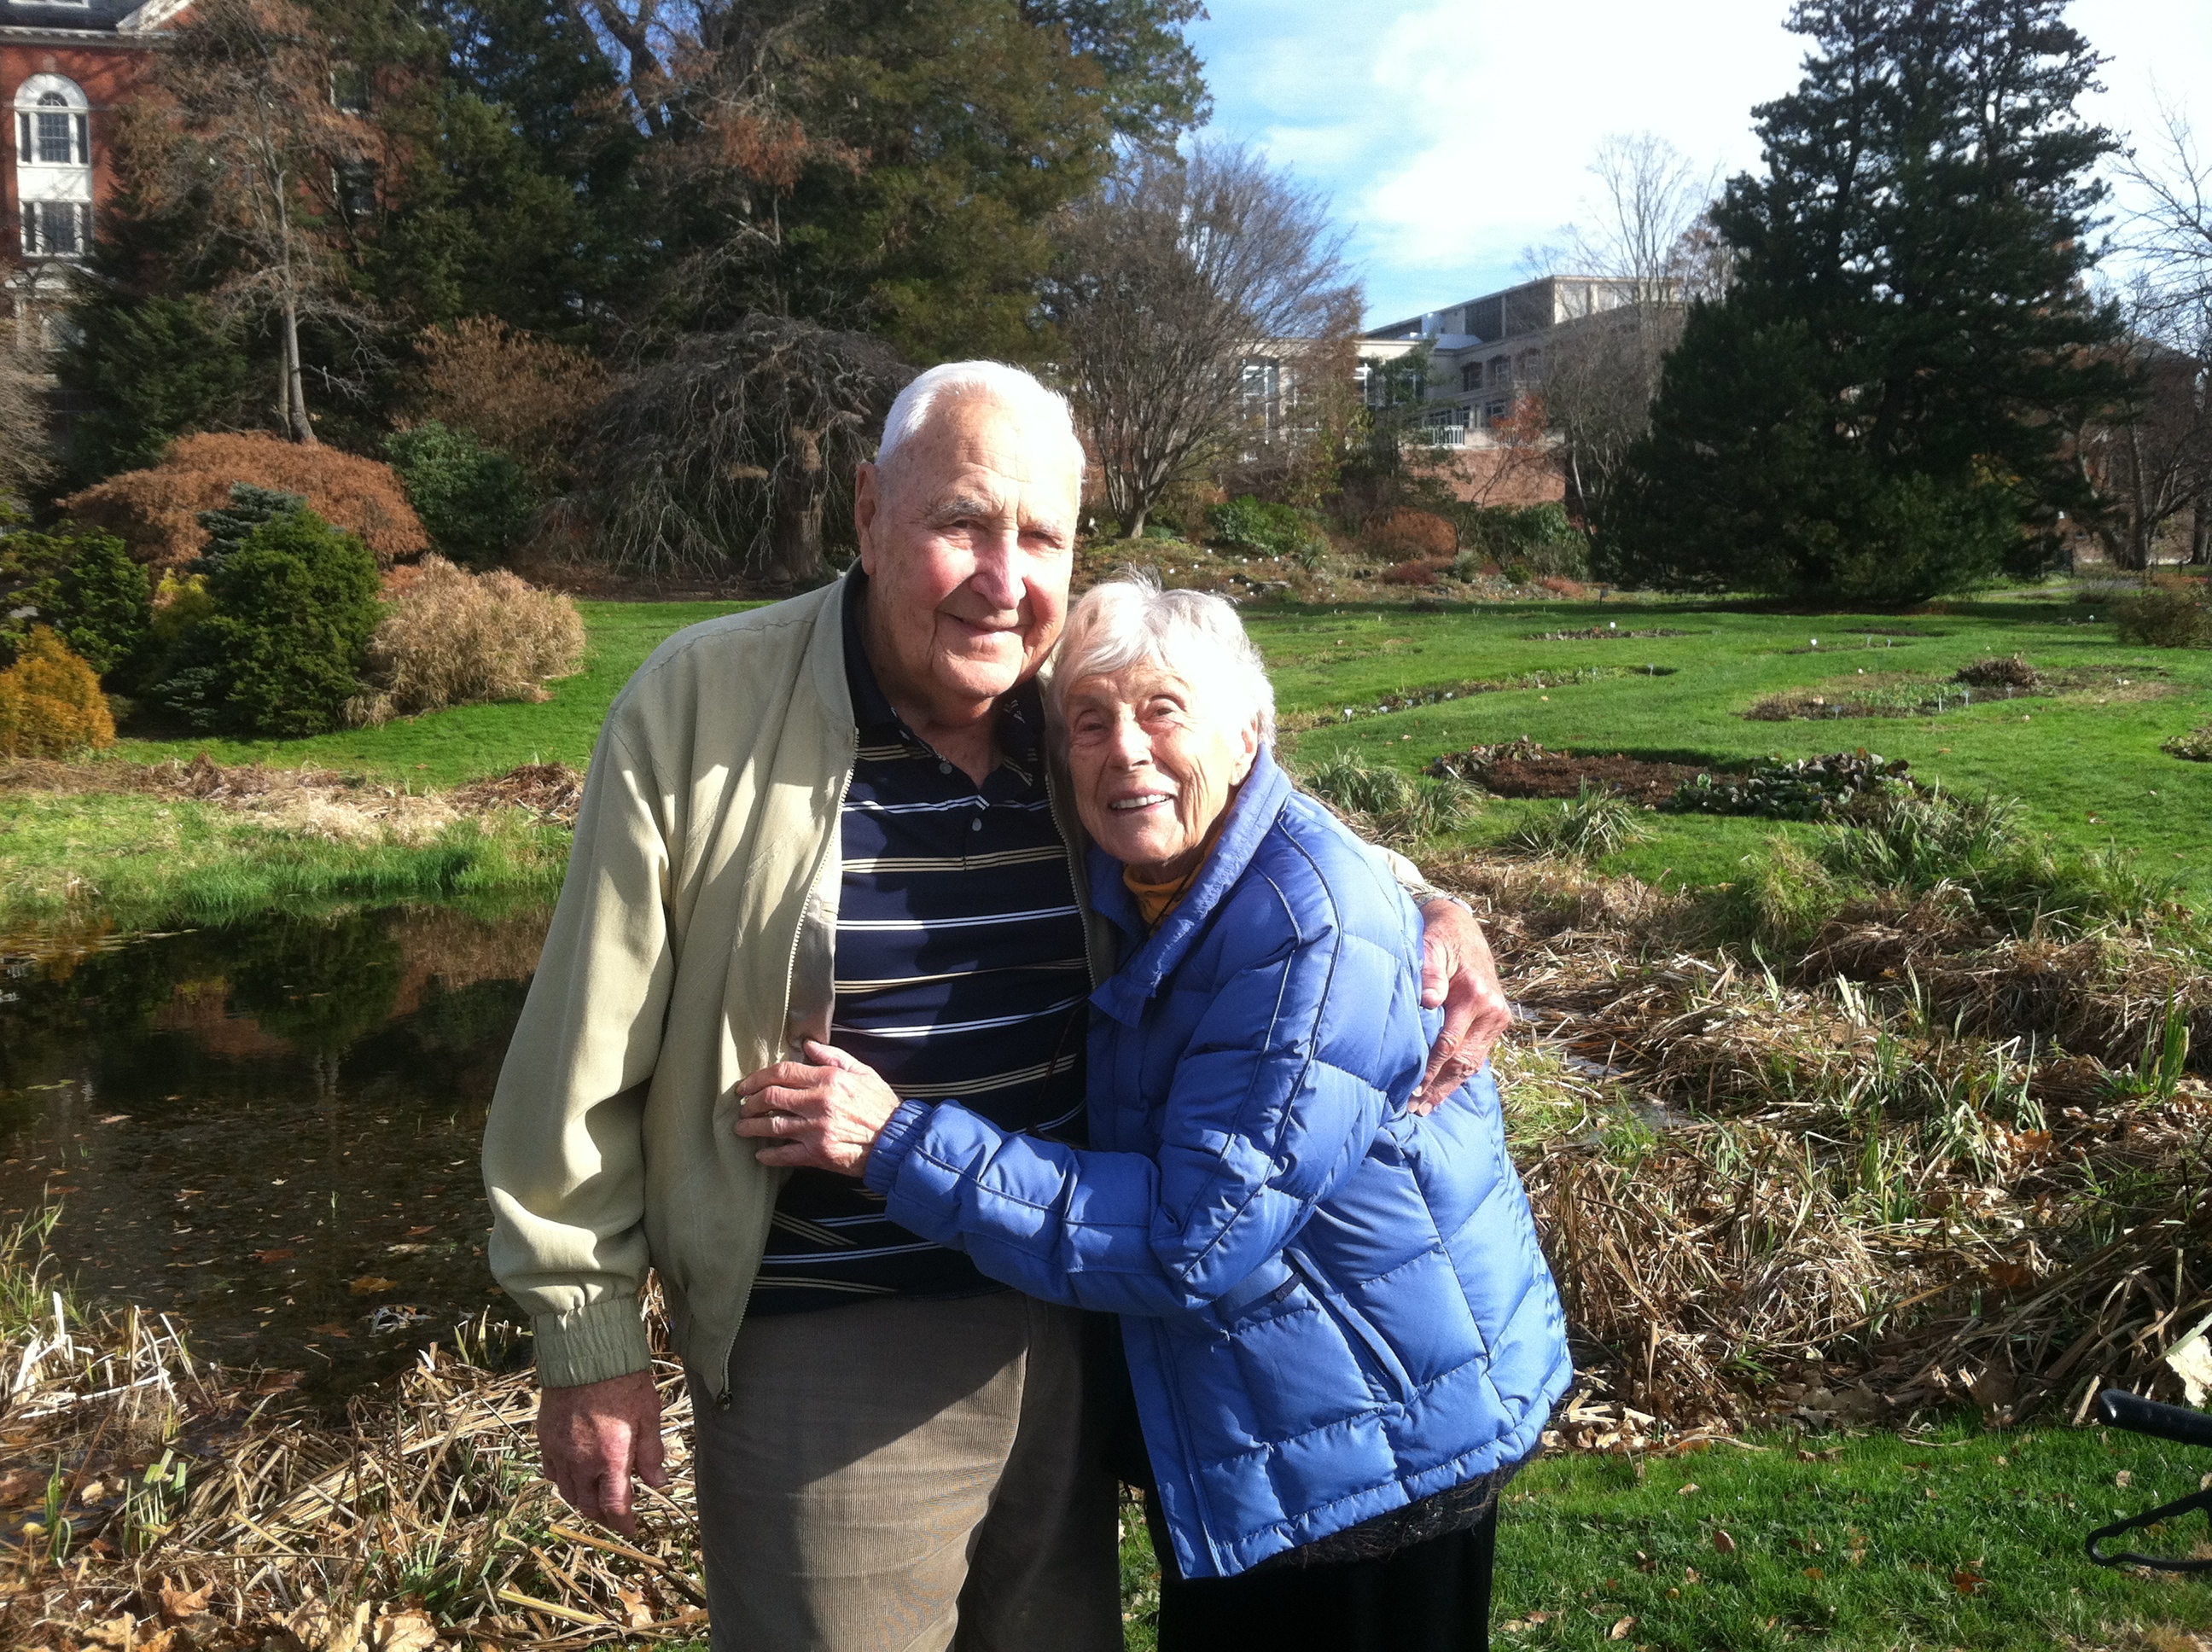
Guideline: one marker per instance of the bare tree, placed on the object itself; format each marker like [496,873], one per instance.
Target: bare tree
[1601,372]
[255,138]
[2158,465]
[720,459]
[1191,297]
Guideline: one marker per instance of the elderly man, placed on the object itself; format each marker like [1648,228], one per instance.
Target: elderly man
[833,819]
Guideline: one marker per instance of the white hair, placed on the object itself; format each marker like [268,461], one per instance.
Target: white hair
[1043,411]
[1194,633]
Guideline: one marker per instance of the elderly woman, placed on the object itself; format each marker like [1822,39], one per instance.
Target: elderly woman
[1339,1333]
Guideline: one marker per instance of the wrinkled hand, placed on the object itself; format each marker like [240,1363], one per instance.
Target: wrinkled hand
[594,1437]
[1458,973]
[823,1113]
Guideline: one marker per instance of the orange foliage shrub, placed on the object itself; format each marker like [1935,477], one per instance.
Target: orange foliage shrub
[1559,586]
[1410,573]
[508,390]
[454,638]
[156,512]
[51,703]
[1411,536]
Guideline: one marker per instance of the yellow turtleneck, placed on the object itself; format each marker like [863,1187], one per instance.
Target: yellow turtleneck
[1155,901]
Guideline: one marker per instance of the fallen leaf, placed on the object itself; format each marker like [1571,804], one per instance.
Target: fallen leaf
[635,1612]
[1723,1541]
[415,1233]
[1691,1490]
[1966,1582]
[1814,1573]
[407,1631]
[322,1629]
[274,1256]
[370,1284]
[178,1602]
[115,1632]
[2125,1477]
[333,1329]
[1620,1631]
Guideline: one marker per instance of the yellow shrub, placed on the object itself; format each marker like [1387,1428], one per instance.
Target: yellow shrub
[51,703]
[454,638]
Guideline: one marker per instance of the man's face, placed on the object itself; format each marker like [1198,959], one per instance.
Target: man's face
[968,544]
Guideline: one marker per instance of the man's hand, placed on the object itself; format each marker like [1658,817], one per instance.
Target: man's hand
[823,1113]
[594,1436]
[1458,972]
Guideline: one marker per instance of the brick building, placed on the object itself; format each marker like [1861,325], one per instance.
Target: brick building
[65,67]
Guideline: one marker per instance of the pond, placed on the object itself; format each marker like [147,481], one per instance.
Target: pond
[267,1130]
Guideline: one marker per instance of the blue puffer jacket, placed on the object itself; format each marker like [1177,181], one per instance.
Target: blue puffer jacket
[1332,1308]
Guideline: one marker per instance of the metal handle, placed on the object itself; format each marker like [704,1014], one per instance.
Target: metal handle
[2139,1415]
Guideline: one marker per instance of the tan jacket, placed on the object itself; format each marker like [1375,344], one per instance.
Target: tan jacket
[693,944]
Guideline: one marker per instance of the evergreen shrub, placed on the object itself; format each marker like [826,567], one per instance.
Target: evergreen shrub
[50,701]
[1247,527]
[1529,542]
[282,654]
[474,500]
[83,586]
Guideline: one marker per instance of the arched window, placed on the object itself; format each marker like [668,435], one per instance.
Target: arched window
[53,167]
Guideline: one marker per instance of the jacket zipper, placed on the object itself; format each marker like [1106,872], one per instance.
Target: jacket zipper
[790,974]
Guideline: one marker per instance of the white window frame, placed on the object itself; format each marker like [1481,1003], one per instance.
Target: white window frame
[46,189]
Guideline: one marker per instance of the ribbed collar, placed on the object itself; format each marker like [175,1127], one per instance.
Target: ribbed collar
[1252,815]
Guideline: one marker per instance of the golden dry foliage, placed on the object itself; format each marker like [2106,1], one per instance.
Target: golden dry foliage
[51,702]
[1405,535]
[508,389]
[156,512]
[454,638]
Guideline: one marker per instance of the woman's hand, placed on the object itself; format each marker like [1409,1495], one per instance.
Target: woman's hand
[823,1113]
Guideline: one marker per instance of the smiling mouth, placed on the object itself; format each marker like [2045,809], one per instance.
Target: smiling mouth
[1122,805]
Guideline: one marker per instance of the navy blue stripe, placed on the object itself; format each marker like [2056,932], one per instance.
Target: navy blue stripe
[962,976]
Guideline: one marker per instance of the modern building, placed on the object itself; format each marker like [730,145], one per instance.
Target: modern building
[66,66]
[1485,352]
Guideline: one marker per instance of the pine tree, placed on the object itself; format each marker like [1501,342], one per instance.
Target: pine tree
[1879,407]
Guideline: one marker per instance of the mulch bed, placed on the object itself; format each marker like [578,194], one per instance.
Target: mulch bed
[1559,774]
[1522,768]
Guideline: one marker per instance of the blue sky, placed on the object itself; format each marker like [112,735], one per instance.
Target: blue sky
[1453,134]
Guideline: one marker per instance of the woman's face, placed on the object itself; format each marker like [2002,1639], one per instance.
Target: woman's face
[1154,768]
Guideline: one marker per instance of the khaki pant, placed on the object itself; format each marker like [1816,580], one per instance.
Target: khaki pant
[907,1477]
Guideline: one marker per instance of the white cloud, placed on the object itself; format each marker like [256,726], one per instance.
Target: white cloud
[1453,134]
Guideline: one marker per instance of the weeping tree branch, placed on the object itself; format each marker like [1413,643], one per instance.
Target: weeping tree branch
[724,458]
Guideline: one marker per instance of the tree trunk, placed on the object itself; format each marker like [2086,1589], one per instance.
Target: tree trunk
[2200,534]
[302,428]
[795,535]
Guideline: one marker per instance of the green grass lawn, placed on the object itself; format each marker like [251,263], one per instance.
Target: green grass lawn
[1956,1539]
[2087,773]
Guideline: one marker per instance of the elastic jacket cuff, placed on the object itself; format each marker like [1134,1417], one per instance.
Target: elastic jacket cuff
[891,1147]
[596,1343]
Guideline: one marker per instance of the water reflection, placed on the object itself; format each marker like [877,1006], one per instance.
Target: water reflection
[267,1130]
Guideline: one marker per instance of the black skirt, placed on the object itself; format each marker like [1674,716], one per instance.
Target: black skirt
[1431,1596]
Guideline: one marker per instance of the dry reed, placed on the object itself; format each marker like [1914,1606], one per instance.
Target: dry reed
[455,638]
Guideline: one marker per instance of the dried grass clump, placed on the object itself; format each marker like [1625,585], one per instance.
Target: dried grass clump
[1999,672]
[455,638]
[1411,572]
[51,703]
[156,512]
[1405,534]
[186,1506]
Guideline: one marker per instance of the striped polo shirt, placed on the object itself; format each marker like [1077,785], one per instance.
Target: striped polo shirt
[960,973]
